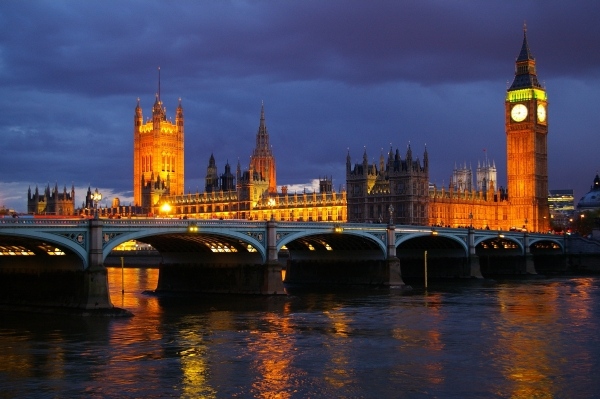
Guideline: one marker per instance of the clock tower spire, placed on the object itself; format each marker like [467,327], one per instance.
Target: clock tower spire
[526,145]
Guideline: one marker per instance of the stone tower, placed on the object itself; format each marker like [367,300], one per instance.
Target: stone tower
[262,160]
[397,189]
[158,150]
[526,145]
[212,177]
[51,202]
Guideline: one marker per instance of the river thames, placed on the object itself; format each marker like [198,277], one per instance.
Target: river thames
[532,338]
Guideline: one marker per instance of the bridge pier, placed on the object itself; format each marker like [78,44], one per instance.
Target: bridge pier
[393,263]
[474,266]
[95,293]
[273,281]
[529,263]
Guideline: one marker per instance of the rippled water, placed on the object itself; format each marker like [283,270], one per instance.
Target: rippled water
[536,338]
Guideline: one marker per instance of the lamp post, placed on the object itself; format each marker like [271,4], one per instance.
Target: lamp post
[271,204]
[391,210]
[471,220]
[96,197]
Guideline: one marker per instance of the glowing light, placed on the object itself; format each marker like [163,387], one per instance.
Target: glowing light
[526,94]
[15,250]
[165,208]
[193,228]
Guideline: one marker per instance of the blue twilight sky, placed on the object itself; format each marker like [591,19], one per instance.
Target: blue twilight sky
[334,75]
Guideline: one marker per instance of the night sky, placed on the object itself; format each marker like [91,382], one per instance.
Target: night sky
[334,76]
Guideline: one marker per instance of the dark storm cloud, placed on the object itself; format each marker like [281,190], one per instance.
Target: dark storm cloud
[101,47]
[334,75]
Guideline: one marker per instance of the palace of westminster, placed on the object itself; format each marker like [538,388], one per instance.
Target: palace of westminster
[396,188]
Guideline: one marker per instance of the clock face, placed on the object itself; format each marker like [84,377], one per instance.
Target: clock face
[541,113]
[518,113]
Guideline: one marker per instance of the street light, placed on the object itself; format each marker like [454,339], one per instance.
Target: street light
[166,208]
[471,220]
[96,197]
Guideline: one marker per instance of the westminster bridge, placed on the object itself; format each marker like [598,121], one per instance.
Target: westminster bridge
[60,262]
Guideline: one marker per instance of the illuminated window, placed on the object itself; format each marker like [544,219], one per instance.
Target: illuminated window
[50,250]
[221,247]
[15,250]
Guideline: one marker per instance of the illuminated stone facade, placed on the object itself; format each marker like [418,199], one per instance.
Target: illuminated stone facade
[158,150]
[321,206]
[526,145]
[250,194]
[524,204]
[396,189]
[262,161]
[480,209]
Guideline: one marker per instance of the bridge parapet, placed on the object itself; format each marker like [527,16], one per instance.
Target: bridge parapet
[24,222]
[179,222]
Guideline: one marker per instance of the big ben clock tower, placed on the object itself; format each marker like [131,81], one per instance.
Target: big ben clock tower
[526,146]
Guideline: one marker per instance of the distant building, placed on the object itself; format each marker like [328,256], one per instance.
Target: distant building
[486,175]
[399,186]
[561,201]
[562,206]
[462,178]
[591,200]
[51,202]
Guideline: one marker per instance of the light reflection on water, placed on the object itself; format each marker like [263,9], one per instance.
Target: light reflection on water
[515,339]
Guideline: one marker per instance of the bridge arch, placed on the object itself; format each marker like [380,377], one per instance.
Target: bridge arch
[498,242]
[553,241]
[54,245]
[330,240]
[441,253]
[181,240]
[199,238]
[437,240]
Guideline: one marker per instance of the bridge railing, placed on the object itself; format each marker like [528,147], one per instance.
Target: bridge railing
[151,222]
[42,222]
